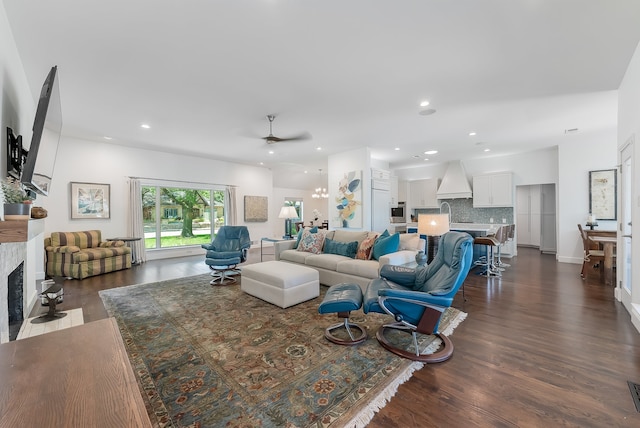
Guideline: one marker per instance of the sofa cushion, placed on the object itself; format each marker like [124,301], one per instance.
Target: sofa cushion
[340,235]
[99,253]
[347,249]
[385,244]
[312,230]
[294,256]
[325,261]
[311,242]
[366,248]
[409,241]
[362,268]
[83,239]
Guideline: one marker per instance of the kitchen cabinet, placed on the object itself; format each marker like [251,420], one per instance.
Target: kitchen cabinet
[423,193]
[493,190]
[403,185]
[394,191]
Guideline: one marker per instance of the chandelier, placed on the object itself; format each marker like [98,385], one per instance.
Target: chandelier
[320,192]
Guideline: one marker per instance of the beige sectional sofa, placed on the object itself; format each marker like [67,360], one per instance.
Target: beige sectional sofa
[335,269]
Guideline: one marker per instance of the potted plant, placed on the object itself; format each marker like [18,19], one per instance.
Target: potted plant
[17,205]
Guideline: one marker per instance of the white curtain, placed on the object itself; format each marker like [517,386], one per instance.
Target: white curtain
[232,208]
[135,224]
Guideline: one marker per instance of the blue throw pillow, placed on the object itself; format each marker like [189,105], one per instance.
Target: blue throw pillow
[386,244]
[312,230]
[347,249]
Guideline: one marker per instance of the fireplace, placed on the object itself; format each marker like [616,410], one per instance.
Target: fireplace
[15,298]
[21,263]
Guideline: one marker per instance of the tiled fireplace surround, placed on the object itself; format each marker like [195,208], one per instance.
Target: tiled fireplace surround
[11,255]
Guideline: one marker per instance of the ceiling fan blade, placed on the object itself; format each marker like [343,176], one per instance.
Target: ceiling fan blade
[273,139]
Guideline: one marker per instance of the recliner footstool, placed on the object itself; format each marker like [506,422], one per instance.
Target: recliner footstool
[282,284]
[341,299]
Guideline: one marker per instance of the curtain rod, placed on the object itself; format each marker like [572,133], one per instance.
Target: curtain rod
[182,181]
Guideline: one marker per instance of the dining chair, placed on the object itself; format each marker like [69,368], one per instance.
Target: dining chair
[591,257]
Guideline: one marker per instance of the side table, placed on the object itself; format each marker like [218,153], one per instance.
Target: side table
[271,240]
[134,257]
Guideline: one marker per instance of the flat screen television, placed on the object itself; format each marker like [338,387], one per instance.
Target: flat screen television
[47,126]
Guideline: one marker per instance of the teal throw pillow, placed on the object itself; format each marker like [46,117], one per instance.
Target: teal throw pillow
[312,230]
[386,244]
[347,249]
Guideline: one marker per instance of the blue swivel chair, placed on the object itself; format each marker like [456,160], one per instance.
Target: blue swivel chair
[228,249]
[417,298]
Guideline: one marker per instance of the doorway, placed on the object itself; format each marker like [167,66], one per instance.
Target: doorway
[536,216]
[624,287]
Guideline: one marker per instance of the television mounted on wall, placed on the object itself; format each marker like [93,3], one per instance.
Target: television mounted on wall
[47,127]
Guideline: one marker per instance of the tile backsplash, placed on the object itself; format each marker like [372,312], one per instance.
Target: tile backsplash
[462,211]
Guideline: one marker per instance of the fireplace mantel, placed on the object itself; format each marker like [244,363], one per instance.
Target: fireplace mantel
[20,230]
[20,241]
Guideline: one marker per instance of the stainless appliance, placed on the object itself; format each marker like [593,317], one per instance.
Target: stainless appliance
[397,214]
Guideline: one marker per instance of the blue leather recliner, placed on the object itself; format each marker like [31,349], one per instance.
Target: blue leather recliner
[228,249]
[417,298]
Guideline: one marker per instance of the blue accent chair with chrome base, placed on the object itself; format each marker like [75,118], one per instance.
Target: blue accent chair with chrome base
[417,298]
[228,249]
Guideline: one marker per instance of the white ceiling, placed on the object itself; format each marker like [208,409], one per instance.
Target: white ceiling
[205,73]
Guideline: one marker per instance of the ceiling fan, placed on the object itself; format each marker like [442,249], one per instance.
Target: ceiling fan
[271,139]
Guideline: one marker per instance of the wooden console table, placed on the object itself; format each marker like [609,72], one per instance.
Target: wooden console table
[76,377]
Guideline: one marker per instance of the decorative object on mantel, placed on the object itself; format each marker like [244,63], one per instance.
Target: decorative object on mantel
[17,205]
[38,212]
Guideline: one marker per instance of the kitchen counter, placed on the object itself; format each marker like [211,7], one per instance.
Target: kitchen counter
[475,227]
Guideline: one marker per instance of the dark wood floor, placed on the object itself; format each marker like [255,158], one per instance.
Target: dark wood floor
[540,347]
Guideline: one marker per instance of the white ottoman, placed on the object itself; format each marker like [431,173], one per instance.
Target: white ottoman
[280,283]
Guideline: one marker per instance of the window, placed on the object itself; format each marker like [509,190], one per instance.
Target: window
[181,216]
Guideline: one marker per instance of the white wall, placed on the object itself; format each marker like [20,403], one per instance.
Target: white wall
[17,104]
[629,127]
[576,159]
[94,162]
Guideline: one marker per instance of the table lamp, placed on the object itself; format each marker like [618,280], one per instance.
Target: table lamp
[433,226]
[287,213]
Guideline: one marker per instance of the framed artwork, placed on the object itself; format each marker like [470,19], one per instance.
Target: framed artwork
[256,208]
[90,200]
[349,200]
[602,194]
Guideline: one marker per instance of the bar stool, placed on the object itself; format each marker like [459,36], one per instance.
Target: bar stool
[502,235]
[488,261]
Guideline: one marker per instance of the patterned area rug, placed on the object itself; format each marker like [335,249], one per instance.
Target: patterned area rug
[214,356]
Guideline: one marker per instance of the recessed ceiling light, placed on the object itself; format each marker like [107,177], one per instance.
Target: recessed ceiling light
[472,133]
[145,126]
[426,159]
[397,148]
[487,150]
[107,138]
[424,103]
[318,148]
[271,152]
[430,152]
[305,171]
[260,163]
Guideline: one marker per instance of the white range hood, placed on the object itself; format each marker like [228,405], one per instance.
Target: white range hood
[454,184]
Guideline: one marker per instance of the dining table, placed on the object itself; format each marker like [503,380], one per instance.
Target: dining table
[608,244]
